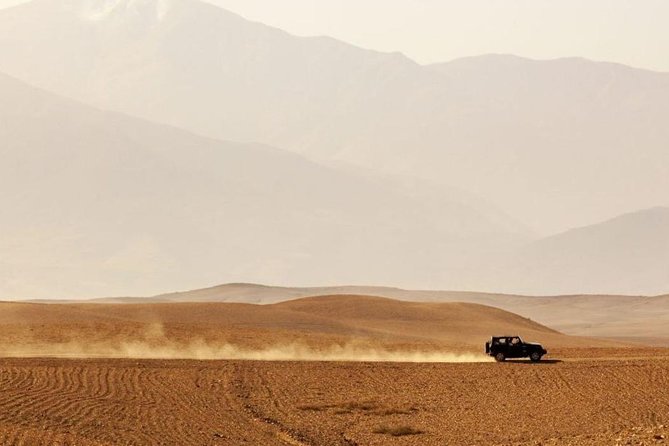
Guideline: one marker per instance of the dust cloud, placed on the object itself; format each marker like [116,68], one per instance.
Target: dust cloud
[204,351]
[154,344]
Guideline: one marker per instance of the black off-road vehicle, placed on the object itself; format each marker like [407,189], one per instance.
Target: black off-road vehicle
[504,347]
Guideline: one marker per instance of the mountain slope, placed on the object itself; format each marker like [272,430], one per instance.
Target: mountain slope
[557,144]
[99,203]
[193,65]
[626,255]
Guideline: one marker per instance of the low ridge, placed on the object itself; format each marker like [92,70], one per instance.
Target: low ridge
[320,322]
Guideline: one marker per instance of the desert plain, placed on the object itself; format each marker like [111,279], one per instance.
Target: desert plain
[324,370]
[148,146]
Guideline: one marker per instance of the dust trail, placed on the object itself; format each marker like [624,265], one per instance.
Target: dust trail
[153,341]
[201,350]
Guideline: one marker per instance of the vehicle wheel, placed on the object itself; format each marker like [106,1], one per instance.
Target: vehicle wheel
[535,357]
[499,357]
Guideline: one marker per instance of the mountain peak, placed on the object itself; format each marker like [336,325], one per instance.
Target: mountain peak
[98,10]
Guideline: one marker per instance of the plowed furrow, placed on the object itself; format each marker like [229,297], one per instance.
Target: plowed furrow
[227,403]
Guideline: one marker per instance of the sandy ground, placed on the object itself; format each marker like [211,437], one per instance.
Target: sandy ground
[178,402]
[235,374]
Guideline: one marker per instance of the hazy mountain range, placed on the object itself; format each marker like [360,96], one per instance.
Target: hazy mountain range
[626,255]
[100,202]
[386,171]
[557,144]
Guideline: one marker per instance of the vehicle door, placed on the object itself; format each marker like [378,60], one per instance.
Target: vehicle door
[516,348]
[501,346]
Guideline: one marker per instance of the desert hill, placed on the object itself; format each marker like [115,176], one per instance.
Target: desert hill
[323,322]
[631,318]
[504,128]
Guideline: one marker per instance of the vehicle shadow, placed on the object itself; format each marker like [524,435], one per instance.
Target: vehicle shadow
[525,361]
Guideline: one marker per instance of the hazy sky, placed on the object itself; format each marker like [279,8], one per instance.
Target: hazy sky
[633,32]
